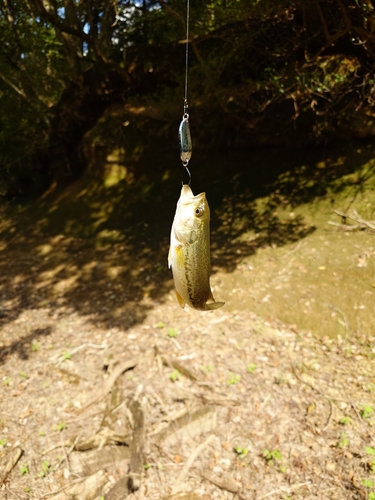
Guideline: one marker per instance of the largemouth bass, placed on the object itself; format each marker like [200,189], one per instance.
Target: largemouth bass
[189,252]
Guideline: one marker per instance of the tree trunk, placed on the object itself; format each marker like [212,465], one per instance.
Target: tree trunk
[82,104]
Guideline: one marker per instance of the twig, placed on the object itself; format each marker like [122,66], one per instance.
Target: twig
[108,384]
[345,319]
[59,445]
[186,372]
[330,414]
[292,250]
[303,381]
[193,455]
[59,358]
[225,483]
[291,488]
[345,227]
[15,455]
[176,344]
[353,215]
[136,446]
[66,453]
[75,481]
[355,409]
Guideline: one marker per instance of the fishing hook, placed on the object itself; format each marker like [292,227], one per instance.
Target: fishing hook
[185,164]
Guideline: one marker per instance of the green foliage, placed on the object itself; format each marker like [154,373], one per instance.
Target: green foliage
[345,420]
[24,469]
[57,63]
[46,468]
[272,455]
[367,483]
[233,379]
[207,369]
[31,66]
[175,375]
[344,441]
[241,451]
[172,332]
[35,346]
[60,426]
[371,451]
[367,411]
[252,367]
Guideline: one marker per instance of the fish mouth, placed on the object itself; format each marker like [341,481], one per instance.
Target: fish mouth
[188,196]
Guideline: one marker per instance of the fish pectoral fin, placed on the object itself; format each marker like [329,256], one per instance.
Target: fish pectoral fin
[169,258]
[214,305]
[180,300]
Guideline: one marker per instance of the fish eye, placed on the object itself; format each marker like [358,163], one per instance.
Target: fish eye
[199,211]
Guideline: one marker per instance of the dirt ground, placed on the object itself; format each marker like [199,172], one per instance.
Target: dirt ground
[110,390]
[290,415]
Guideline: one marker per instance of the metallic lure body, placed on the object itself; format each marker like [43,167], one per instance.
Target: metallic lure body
[189,252]
[184,138]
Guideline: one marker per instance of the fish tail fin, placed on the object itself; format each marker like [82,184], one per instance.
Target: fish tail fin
[214,305]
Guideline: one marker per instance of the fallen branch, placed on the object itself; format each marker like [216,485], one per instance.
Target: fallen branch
[293,487]
[344,318]
[87,488]
[224,482]
[66,454]
[193,455]
[58,359]
[346,227]
[136,446]
[355,216]
[186,372]
[109,383]
[361,225]
[15,455]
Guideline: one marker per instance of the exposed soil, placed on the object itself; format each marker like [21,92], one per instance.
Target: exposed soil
[271,396]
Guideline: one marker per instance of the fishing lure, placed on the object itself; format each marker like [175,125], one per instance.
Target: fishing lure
[184,137]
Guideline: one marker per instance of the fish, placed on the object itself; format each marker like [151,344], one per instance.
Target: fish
[189,252]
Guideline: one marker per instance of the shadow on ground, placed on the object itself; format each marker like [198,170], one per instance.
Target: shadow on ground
[99,247]
[24,345]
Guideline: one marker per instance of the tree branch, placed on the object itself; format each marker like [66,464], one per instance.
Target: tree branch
[63,28]
[324,24]
[14,87]
[345,16]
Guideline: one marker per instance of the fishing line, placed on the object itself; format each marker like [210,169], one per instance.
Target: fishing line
[184,129]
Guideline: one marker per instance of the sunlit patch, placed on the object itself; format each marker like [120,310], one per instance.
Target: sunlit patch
[113,174]
[65,285]
[44,249]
